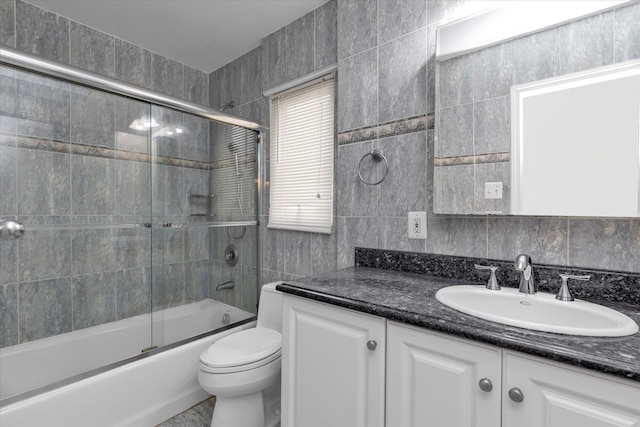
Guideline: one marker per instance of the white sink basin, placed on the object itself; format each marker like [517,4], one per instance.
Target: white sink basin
[540,312]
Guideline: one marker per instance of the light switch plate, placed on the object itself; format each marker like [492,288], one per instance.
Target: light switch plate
[493,190]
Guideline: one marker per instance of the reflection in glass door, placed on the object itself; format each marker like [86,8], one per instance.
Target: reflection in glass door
[128,211]
[74,168]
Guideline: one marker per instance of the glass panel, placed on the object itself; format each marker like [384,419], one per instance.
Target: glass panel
[75,173]
[234,174]
[140,229]
[191,206]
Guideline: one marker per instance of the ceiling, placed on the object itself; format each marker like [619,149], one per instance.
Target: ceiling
[203,34]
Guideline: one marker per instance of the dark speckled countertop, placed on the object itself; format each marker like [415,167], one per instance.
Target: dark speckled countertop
[410,298]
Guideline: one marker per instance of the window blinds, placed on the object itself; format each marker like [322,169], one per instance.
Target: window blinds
[233,173]
[301,161]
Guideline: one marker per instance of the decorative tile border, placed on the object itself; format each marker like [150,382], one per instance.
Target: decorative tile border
[358,135]
[470,160]
[231,162]
[32,143]
[385,130]
[606,285]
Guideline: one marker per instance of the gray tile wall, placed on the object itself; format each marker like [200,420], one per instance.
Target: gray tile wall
[385,54]
[69,152]
[305,45]
[382,72]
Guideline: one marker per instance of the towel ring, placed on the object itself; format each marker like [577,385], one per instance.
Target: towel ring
[377,155]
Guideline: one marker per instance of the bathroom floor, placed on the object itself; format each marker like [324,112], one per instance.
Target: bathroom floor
[197,416]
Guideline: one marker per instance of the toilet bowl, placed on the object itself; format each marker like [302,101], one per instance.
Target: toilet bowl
[239,367]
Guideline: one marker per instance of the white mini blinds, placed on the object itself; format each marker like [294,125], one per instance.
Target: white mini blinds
[302,145]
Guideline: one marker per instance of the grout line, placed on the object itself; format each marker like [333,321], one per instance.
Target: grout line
[487,237]
[68,37]
[15,24]
[567,257]
[315,41]
[18,332]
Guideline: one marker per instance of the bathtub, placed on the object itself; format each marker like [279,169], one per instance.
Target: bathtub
[143,392]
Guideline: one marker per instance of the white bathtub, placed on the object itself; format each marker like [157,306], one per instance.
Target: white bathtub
[141,393]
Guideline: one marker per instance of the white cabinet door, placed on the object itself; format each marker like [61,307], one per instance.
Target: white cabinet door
[433,380]
[559,396]
[331,376]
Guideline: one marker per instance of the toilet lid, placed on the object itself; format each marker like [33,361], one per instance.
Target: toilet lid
[242,348]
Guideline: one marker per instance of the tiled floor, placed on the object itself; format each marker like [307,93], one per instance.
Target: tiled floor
[198,416]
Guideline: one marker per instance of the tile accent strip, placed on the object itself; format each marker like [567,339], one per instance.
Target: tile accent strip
[616,286]
[470,160]
[32,143]
[385,130]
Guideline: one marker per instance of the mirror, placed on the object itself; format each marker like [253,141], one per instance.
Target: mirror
[575,144]
[527,126]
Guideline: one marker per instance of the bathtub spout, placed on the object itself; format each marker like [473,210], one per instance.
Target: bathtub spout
[225,285]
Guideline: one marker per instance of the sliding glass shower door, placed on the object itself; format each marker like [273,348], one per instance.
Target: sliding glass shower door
[117,219]
[75,173]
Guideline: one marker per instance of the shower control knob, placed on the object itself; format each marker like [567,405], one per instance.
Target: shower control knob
[516,395]
[371,345]
[485,385]
[231,255]
[11,229]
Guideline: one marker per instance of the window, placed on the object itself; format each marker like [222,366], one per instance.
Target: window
[302,145]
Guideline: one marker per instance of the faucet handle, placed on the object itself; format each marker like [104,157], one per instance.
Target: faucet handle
[492,284]
[563,292]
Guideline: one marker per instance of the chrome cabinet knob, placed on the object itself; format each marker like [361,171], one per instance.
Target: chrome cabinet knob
[371,345]
[516,395]
[485,385]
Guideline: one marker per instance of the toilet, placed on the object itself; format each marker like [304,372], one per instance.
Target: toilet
[238,368]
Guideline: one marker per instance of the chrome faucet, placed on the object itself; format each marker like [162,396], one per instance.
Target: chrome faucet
[527,283]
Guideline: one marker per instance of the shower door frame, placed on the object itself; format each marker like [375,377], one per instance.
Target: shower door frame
[48,68]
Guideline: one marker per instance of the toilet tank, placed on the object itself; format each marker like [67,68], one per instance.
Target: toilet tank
[270,308]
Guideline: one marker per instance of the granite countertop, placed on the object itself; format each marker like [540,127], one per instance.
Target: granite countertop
[410,298]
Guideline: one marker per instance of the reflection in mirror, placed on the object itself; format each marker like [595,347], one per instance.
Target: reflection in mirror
[473,171]
[575,144]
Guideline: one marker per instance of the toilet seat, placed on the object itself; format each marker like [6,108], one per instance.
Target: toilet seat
[245,350]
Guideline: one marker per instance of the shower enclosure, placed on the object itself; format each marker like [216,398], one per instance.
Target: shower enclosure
[121,209]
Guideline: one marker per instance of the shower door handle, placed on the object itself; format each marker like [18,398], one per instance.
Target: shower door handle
[11,229]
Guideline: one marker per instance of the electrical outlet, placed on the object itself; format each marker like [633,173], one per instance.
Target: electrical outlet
[417,225]
[493,190]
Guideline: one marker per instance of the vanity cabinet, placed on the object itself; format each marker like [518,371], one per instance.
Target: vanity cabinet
[333,366]
[435,380]
[333,376]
